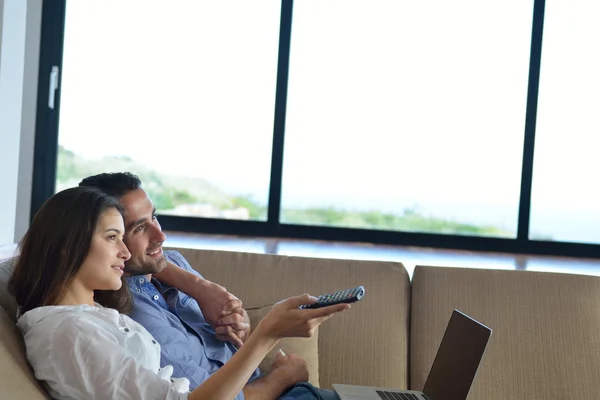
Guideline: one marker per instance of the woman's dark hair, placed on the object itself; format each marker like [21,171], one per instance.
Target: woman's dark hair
[55,247]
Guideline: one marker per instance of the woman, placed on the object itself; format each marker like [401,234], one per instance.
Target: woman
[80,349]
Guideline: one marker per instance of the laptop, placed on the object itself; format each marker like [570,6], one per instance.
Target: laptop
[452,372]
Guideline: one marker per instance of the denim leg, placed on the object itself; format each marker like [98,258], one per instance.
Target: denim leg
[328,394]
[306,391]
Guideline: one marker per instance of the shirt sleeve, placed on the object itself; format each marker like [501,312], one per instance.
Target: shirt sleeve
[173,341]
[179,260]
[89,364]
[174,351]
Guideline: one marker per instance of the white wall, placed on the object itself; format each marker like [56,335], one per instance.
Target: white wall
[19,57]
[1,17]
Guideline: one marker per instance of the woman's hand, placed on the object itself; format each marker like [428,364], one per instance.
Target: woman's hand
[287,320]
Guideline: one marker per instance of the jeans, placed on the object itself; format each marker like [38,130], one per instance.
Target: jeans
[306,391]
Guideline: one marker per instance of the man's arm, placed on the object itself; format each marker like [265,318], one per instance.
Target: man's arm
[214,301]
[208,294]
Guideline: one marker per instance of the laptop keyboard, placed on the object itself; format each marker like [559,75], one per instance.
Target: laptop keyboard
[385,395]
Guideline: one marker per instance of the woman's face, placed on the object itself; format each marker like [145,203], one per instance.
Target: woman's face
[103,266]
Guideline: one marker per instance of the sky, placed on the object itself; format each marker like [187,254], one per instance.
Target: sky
[390,103]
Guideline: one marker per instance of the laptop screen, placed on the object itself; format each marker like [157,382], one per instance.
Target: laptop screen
[457,359]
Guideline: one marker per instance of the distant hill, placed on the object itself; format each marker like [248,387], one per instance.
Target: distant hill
[166,191]
[172,194]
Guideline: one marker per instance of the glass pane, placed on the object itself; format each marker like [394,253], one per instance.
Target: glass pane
[407,115]
[181,94]
[565,200]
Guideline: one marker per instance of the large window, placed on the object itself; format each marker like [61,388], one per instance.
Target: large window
[565,202]
[407,115]
[181,93]
[463,124]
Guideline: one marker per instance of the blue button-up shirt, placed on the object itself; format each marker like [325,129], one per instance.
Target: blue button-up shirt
[175,320]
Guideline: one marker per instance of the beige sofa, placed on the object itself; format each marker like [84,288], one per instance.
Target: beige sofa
[545,344]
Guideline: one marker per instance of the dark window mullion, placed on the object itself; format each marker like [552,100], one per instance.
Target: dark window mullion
[285,31]
[530,120]
[46,129]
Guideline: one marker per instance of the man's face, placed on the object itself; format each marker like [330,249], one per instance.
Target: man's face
[143,235]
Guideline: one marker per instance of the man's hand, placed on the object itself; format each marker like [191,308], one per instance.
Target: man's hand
[234,327]
[289,369]
[223,311]
[214,301]
[286,371]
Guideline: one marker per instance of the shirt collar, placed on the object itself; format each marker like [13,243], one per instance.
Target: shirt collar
[161,287]
[139,281]
[136,281]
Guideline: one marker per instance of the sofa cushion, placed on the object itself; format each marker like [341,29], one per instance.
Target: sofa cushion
[545,342]
[307,348]
[7,300]
[16,377]
[366,345]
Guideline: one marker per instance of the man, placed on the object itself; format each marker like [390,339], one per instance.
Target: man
[197,322]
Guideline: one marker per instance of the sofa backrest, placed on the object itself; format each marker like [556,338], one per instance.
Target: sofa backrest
[7,300]
[16,377]
[367,345]
[545,342]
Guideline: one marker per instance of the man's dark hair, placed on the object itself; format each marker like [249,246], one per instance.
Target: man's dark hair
[116,184]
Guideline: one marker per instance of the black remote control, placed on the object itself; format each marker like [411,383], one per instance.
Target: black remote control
[341,296]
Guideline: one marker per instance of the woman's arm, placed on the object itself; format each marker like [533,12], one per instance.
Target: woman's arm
[231,378]
[284,320]
[82,360]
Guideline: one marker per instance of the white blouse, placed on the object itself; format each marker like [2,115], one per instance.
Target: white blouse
[85,352]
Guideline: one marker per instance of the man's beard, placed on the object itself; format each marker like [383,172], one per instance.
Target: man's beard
[146,268]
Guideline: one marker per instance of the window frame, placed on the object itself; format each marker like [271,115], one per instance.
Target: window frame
[46,150]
